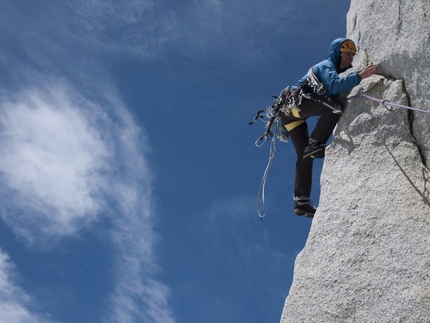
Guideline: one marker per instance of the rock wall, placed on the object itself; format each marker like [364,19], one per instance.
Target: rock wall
[395,34]
[367,258]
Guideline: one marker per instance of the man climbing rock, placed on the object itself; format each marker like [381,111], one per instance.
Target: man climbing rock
[317,94]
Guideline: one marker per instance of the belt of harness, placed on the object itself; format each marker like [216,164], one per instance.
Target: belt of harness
[314,82]
[336,107]
[319,89]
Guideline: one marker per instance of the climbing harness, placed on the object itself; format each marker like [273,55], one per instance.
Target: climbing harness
[288,103]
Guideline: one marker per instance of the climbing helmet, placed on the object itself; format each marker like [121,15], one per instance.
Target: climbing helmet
[348,46]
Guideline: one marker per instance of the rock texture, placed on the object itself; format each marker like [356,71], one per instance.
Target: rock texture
[367,258]
[395,34]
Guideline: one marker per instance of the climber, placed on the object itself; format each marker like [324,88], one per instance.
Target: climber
[317,94]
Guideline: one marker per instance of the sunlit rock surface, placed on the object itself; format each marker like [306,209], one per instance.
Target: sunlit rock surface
[367,258]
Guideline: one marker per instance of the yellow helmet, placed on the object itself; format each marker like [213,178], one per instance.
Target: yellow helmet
[348,46]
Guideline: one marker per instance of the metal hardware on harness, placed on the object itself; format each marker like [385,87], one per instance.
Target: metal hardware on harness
[293,101]
[313,82]
[283,135]
[271,117]
[336,107]
[257,117]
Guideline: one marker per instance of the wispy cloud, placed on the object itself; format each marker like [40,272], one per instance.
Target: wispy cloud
[71,154]
[250,257]
[140,28]
[53,162]
[213,29]
[72,34]
[233,222]
[138,294]
[236,211]
[15,304]
[67,162]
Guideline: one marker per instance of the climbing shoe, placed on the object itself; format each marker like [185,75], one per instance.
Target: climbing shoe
[305,208]
[314,150]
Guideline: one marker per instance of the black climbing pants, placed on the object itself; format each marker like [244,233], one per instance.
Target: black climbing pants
[300,137]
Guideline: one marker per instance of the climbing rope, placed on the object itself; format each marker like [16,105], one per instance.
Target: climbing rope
[270,116]
[389,106]
[385,102]
[261,191]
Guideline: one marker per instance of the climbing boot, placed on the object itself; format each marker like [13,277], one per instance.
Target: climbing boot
[314,150]
[304,207]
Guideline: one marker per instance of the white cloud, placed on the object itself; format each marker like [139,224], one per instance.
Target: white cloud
[52,162]
[138,295]
[14,303]
[65,162]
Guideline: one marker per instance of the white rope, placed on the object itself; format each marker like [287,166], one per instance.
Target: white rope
[385,102]
[261,191]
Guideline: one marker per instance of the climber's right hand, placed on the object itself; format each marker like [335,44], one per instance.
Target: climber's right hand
[368,71]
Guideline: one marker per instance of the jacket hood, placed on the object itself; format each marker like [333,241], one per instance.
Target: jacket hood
[334,51]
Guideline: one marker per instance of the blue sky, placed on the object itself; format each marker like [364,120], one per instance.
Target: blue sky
[128,169]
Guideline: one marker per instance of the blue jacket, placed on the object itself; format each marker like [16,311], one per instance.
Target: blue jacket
[328,71]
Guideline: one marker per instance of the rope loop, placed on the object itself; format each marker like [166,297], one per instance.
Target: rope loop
[384,103]
[262,140]
[261,191]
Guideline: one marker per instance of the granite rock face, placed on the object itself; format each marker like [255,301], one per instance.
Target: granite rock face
[367,258]
[396,36]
